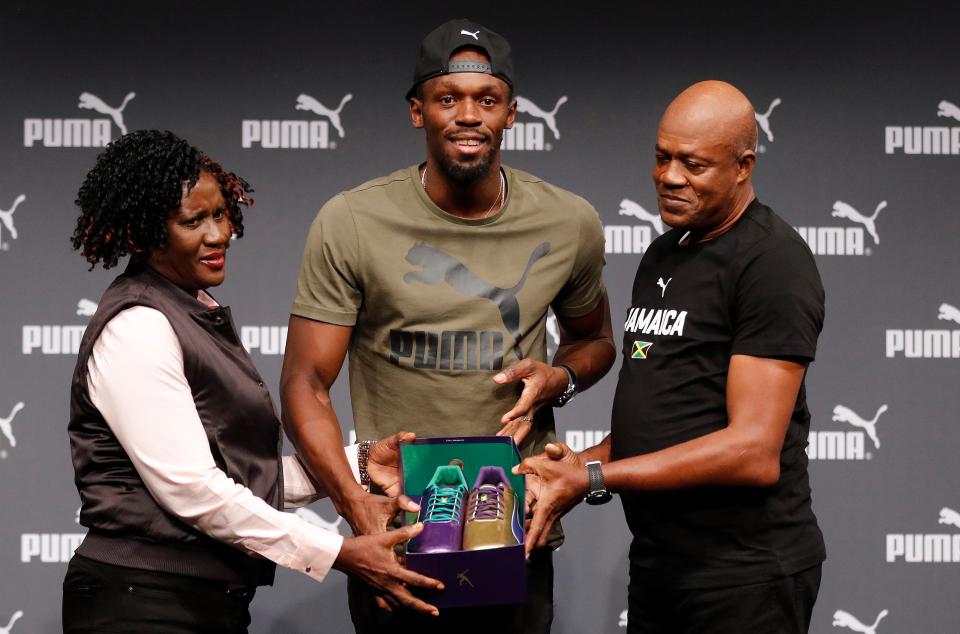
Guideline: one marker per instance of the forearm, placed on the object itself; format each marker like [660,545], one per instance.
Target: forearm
[312,425]
[587,346]
[590,359]
[722,458]
[599,452]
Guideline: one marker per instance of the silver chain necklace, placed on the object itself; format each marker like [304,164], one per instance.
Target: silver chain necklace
[498,199]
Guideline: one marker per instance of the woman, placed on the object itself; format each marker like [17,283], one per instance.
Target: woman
[174,439]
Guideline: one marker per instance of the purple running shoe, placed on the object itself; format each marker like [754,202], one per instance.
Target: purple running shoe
[441,511]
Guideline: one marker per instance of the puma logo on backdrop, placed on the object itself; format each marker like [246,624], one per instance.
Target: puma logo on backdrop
[849,621]
[472,34]
[6,424]
[306,102]
[947,109]
[89,101]
[13,619]
[441,267]
[843,210]
[847,415]
[549,117]
[763,120]
[77,132]
[630,208]
[86,308]
[948,312]
[6,218]
[930,140]
[949,517]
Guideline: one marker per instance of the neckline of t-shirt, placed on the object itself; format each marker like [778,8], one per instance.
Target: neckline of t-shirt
[457,220]
[749,212]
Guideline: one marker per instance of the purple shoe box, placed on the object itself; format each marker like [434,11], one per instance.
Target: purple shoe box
[471,577]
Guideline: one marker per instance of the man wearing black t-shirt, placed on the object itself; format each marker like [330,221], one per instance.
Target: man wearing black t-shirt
[710,418]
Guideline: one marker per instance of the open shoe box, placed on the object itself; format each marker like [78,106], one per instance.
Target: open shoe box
[471,577]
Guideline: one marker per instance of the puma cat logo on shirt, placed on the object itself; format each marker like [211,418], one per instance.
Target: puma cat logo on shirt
[441,267]
[663,286]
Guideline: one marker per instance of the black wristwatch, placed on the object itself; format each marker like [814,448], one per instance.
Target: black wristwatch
[598,493]
[571,390]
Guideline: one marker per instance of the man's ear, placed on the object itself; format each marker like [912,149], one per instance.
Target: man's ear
[745,163]
[416,112]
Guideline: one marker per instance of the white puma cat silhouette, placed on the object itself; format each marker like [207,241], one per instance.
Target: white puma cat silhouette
[843,210]
[306,102]
[849,621]
[949,516]
[623,619]
[6,216]
[630,208]
[316,520]
[947,109]
[847,415]
[763,120]
[6,424]
[949,312]
[90,101]
[472,34]
[663,285]
[86,308]
[13,619]
[532,109]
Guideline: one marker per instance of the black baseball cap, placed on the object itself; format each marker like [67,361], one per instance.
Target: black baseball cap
[440,43]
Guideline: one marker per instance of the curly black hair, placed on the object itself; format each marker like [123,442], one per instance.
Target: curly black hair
[138,180]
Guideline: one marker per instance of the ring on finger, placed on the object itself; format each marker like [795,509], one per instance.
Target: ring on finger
[526,419]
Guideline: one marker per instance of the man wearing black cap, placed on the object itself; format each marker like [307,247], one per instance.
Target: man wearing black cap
[437,280]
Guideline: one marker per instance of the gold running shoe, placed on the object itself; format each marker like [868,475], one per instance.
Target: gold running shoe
[490,512]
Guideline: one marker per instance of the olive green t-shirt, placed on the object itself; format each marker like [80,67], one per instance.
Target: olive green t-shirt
[440,304]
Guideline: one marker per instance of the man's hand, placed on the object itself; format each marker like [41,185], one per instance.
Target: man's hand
[370,514]
[383,465]
[542,383]
[372,559]
[563,483]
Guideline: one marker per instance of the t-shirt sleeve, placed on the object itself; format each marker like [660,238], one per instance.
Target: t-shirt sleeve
[779,304]
[329,287]
[583,290]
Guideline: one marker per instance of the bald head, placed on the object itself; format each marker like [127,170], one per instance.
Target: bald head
[713,111]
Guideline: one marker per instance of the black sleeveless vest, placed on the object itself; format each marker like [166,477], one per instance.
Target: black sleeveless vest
[126,525]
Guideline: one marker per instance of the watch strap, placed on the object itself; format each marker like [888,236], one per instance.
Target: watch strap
[595,473]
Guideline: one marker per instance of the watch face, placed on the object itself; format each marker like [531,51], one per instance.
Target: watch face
[599,497]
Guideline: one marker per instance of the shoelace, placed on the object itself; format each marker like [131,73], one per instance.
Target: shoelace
[445,505]
[488,503]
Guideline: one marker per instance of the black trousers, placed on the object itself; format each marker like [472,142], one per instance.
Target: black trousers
[779,606]
[533,617]
[99,597]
